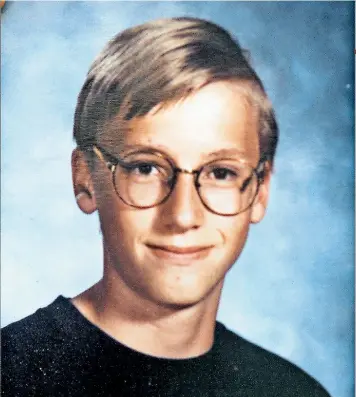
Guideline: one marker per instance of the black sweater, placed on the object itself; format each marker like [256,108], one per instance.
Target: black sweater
[58,352]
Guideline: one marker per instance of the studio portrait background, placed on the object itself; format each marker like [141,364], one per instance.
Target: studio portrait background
[292,290]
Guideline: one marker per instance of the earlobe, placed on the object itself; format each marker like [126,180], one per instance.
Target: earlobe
[82,183]
[86,202]
[258,212]
[260,204]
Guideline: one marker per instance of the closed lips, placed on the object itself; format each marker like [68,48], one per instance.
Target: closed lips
[179,250]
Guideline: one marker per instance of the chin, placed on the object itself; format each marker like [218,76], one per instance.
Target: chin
[185,297]
[179,304]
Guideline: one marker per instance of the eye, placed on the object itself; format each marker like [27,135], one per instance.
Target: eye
[144,168]
[223,173]
[146,171]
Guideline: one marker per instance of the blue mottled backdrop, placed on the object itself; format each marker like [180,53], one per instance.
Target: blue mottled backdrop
[292,290]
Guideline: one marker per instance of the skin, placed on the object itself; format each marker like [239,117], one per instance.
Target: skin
[158,302]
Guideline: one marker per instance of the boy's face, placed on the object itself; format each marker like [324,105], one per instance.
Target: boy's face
[143,244]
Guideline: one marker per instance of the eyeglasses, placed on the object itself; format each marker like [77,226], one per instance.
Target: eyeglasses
[146,179]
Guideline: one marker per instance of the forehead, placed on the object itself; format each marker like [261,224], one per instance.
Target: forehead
[219,116]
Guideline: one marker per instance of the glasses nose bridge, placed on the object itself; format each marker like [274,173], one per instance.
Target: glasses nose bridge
[186,171]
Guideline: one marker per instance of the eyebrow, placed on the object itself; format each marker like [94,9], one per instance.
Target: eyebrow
[220,153]
[226,152]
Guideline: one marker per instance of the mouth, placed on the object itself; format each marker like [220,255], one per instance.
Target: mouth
[181,254]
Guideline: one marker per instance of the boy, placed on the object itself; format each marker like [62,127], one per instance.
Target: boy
[175,146]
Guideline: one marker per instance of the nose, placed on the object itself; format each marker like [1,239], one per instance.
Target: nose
[184,209]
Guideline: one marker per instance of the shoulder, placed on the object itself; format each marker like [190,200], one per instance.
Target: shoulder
[263,370]
[30,346]
[35,330]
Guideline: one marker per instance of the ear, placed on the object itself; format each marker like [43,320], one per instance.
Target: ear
[82,183]
[260,204]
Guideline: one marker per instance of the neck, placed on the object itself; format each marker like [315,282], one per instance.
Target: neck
[153,329]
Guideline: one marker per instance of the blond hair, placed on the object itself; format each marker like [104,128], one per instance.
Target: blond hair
[162,61]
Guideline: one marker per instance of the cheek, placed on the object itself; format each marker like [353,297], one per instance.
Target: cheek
[125,226]
[234,233]
[136,224]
